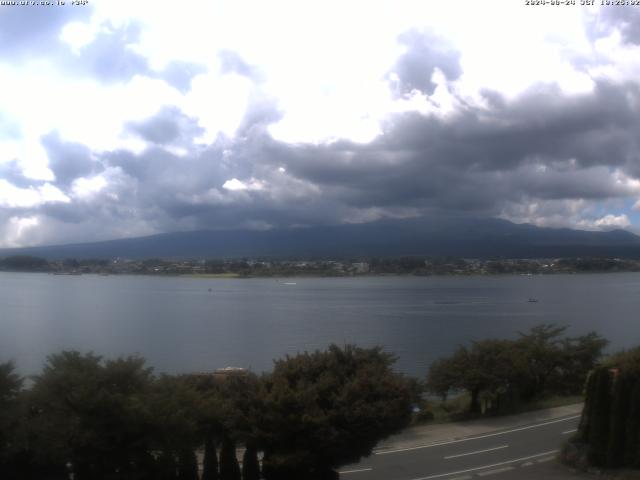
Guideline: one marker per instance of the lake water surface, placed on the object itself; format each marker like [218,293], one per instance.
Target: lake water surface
[179,325]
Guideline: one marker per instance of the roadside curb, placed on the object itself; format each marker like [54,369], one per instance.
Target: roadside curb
[432,434]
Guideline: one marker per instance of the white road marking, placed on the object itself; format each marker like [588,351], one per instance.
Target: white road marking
[546,459]
[476,452]
[440,475]
[519,429]
[344,472]
[569,431]
[494,471]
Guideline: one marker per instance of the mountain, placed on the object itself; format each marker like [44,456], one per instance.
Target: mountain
[457,236]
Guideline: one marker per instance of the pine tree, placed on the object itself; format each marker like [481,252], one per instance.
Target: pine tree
[167,468]
[600,418]
[210,463]
[187,465]
[250,464]
[229,468]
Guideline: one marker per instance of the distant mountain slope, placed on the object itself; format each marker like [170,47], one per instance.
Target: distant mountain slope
[461,237]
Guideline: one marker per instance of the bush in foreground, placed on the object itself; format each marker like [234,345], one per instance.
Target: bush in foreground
[609,432]
[327,409]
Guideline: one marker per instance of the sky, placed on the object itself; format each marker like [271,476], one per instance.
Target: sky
[121,119]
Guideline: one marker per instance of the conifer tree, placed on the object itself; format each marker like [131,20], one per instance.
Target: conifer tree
[250,464]
[187,465]
[229,468]
[210,462]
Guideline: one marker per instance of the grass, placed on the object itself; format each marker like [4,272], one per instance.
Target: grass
[211,275]
[456,409]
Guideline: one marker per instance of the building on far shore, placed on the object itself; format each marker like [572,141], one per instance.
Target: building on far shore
[221,374]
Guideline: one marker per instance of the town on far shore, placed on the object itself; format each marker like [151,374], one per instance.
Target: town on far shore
[271,267]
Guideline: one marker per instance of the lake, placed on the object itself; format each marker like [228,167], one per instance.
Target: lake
[193,324]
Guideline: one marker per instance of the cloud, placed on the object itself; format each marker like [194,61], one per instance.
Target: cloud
[231,62]
[15,197]
[621,18]
[143,127]
[168,126]
[27,31]
[425,52]
[108,57]
[179,74]
[613,221]
[235,185]
[68,160]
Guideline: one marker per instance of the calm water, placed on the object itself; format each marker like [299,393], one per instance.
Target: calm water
[180,326]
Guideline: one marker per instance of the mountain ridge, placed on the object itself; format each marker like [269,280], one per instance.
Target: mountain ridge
[424,236]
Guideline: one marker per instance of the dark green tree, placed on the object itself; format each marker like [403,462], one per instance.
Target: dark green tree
[24,263]
[92,414]
[229,467]
[167,466]
[250,464]
[543,355]
[175,407]
[579,356]
[329,408]
[503,372]
[489,368]
[187,465]
[10,388]
[609,432]
[210,461]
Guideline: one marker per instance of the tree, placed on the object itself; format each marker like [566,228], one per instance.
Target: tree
[187,464]
[93,414]
[502,372]
[229,468]
[10,388]
[175,407]
[541,348]
[330,408]
[488,369]
[580,356]
[609,431]
[210,462]
[250,464]
[444,377]
[24,263]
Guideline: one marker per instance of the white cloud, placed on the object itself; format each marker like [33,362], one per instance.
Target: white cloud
[612,221]
[236,185]
[14,197]
[16,229]
[87,187]
[78,35]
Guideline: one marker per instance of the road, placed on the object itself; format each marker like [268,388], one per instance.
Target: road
[485,454]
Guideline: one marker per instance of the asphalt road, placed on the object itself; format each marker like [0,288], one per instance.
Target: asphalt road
[487,454]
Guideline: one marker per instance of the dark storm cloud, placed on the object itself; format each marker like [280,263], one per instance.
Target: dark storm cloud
[68,160]
[424,53]
[34,31]
[544,145]
[168,126]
